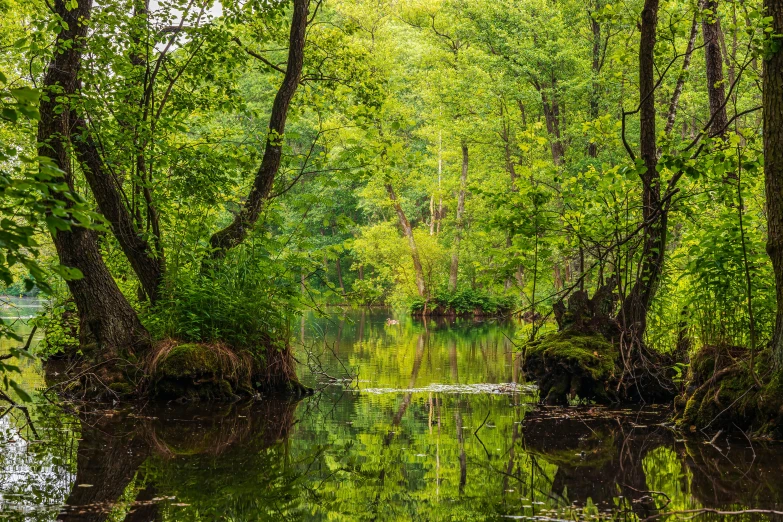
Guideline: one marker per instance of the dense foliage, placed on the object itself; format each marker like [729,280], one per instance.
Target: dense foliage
[233,160]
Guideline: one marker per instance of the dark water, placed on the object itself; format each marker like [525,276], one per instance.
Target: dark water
[440,428]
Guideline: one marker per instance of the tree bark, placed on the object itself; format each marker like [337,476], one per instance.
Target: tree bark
[106,318]
[636,303]
[686,63]
[454,272]
[773,166]
[235,233]
[407,231]
[552,118]
[147,264]
[711,32]
[592,148]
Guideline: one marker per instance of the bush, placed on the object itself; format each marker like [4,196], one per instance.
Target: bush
[246,302]
[59,321]
[465,301]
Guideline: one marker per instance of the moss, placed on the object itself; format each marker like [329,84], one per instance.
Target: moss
[569,364]
[193,371]
[590,352]
[122,389]
[722,394]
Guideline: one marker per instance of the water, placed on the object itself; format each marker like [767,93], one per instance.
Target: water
[441,426]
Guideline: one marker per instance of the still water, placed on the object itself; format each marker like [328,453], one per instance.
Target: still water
[437,425]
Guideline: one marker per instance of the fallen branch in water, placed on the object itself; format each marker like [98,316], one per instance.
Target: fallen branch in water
[696,512]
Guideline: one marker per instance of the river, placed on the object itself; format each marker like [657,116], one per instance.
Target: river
[411,421]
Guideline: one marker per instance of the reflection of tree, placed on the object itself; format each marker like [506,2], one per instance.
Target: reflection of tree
[406,400]
[463,466]
[167,449]
[732,477]
[597,458]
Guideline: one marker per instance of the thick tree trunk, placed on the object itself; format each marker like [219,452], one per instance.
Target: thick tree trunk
[634,308]
[421,287]
[686,63]
[773,167]
[243,222]
[711,32]
[463,181]
[106,318]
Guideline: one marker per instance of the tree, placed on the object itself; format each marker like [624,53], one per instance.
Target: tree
[107,320]
[773,162]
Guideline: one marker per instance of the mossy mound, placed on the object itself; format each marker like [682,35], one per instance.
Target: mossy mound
[568,365]
[721,393]
[197,371]
[213,371]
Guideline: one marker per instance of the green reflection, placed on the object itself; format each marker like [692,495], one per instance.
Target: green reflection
[421,439]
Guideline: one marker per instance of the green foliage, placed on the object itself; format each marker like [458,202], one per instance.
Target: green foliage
[246,301]
[59,322]
[465,301]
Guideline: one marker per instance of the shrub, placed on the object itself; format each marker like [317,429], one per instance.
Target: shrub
[247,301]
[466,301]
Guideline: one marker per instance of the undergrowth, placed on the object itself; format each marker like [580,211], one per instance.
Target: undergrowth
[246,302]
[466,301]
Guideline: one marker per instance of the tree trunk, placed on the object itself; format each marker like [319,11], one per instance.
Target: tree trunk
[711,32]
[634,308]
[243,222]
[125,223]
[106,318]
[592,148]
[552,117]
[339,270]
[773,167]
[147,264]
[408,232]
[505,135]
[686,63]
[454,272]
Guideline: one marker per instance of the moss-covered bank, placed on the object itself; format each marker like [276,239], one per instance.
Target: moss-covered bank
[720,393]
[173,370]
[571,365]
[588,360]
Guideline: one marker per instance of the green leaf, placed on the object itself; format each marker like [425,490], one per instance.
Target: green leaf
[22,394]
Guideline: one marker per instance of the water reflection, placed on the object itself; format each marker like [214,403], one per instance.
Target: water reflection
[442,427]
[181,463]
